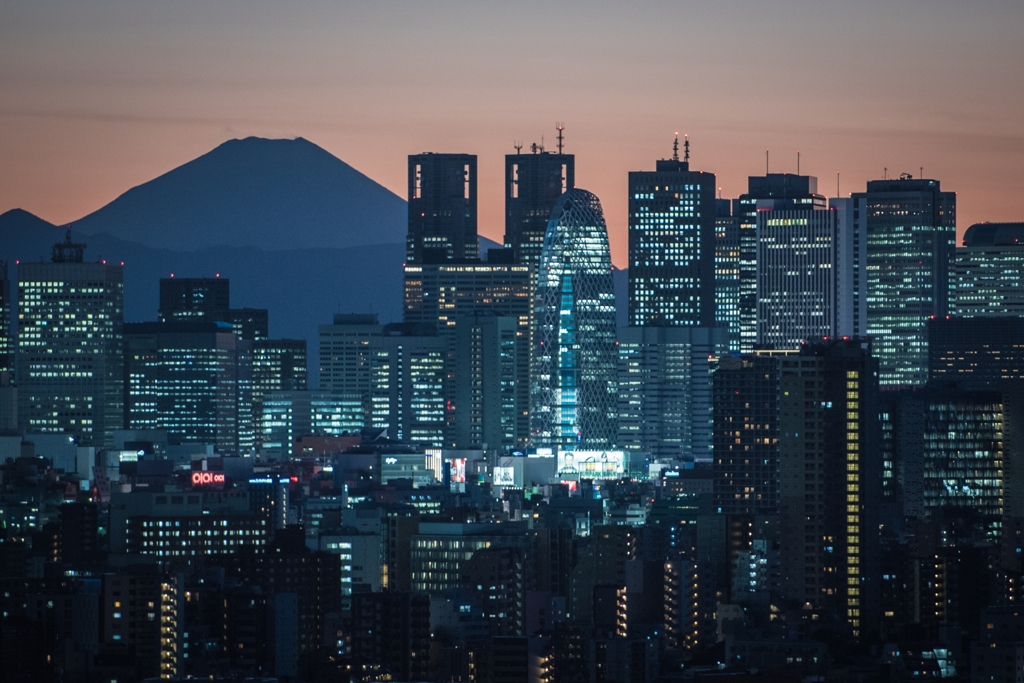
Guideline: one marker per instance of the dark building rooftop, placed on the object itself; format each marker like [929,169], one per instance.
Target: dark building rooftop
[994,235]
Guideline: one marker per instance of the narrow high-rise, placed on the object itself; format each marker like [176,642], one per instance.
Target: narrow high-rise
[6,332]
[533,183]
[830,479]
[442,208]
[574,393]
[910,225]
[71,318]
[672,244]
[727,270]
[769,192]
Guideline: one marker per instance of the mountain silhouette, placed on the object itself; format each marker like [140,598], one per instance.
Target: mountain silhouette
[269,194]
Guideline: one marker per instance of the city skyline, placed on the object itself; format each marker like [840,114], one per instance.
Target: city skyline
[96,101]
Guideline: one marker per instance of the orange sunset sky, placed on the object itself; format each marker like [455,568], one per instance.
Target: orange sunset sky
[96,97]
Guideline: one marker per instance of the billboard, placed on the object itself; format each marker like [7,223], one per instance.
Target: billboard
[504,476]
[458,470]
[592,464]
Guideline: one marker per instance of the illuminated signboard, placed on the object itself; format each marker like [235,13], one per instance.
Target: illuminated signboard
[592,464]
[458,470]
[207,478]
[504,476]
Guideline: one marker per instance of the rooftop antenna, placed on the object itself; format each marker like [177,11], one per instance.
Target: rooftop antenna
[798,162]
[675,148]
[561,140]
[885,173]
[921,168]
[719,193]
[542,143]
[766,162]
[518,146]
[837,185]
[686,148]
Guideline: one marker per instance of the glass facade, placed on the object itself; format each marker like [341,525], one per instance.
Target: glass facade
[672,246]
[797,283]
[911,231]
[70,326]
[574,391]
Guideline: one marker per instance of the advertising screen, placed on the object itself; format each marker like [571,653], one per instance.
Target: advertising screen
[504,476]
[592,464]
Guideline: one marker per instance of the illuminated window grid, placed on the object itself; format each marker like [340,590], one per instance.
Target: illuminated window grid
[853,491]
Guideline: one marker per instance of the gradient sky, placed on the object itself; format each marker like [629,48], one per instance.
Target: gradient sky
[97,96]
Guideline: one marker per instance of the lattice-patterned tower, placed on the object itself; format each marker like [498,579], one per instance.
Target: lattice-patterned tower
[574,391]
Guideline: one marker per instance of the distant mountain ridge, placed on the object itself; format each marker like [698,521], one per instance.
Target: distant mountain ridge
[255,192]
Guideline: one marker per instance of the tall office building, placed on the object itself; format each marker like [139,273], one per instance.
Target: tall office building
[447,295]
[187,299]
[442,208]
[251,324]
[533,183]
[665,390]
[951,446]
[809,283]
[397,372]
[830,478]
[745,433]
[183,377]
[911,229]
[727,271]
[977,353]
[774,191]
[277,365]
[191,299]
[485,403]
[6,331]
[70,322]
[672,244]
[574,394]
[989,271]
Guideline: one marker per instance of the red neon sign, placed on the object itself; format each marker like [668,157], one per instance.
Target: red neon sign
[204,478]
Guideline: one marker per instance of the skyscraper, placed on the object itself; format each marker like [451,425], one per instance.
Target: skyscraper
[277,365]
[727,271]
[989,271]
[442,208]
[6,333]
[665,389]
[672,243]
[977,353]
[830,478]
[71,317]
[187,299]
[809,282]
[745,439]
[574,394]
[447,296]
[533,183]
[396,372]
[911,229]
[183,377]
[768,192]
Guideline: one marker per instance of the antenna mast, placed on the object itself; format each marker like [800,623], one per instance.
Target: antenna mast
[561,142]
[686,148]
[518,146]
[798,162]
[675,148]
